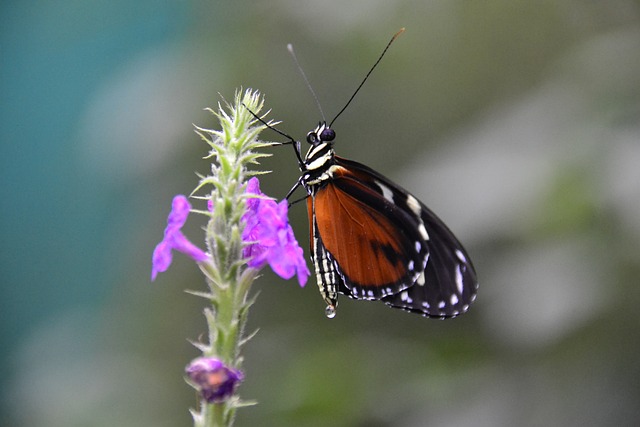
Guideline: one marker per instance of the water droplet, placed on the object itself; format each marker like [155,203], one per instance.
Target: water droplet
[330,311]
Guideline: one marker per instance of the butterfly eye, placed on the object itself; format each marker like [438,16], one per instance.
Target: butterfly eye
[327,135]
[312,138]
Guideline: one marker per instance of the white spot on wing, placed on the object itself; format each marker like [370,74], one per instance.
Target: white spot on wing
[459,283]
[423,232]
[404,296]
[386,191]
[414,205]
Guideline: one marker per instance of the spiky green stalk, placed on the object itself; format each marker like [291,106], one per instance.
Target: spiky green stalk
[232,150]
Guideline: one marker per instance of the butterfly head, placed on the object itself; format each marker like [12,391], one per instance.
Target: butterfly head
[321,134]
[320,155]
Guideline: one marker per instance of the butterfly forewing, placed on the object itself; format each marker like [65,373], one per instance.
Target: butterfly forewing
[448,284]
[360,229]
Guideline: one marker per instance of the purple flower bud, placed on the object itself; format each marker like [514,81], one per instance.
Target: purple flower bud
[215,381]
[174,239]
[270,237]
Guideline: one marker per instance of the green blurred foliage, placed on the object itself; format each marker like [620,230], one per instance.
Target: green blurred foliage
[517,122]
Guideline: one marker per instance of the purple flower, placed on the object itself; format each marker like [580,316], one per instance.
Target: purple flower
[215,381]
[270,237]
[267,234]
[174,239]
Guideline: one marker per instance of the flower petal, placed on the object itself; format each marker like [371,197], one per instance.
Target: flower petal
[270,238]
[180,243]
[180,208]
[161,260]
[174,239]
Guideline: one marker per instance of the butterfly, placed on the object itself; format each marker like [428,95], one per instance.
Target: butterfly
[371,239]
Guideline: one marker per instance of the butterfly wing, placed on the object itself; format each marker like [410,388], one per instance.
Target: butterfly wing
[375,247]
[382,243]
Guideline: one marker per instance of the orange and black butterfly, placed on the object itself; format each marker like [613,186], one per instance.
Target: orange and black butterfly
[370,239]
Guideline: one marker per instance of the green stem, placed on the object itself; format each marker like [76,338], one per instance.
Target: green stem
[228,279]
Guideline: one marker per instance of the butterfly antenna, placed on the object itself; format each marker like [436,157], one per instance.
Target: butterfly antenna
[273,128]
[295,144]
[395,36]
[306,80]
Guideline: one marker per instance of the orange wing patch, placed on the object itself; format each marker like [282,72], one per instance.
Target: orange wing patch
[366,245]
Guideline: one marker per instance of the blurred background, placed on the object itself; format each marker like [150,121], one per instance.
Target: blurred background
[518,122]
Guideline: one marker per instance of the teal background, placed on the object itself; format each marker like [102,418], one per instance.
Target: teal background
[516,121]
